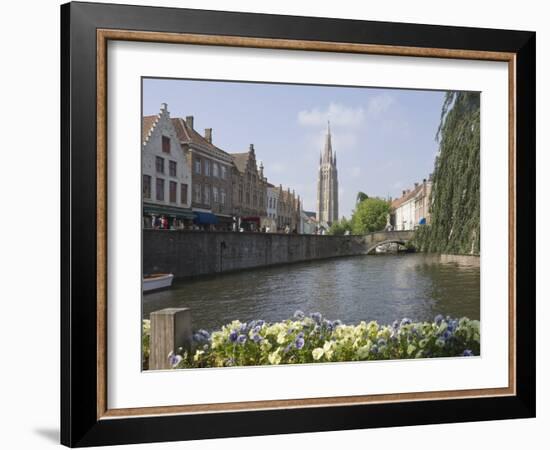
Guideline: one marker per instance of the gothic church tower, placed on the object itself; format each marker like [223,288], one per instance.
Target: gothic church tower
[327,184]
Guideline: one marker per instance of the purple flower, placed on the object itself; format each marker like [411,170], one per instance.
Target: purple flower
[299,315]
[374,349]
[381,342]
[299,343]
[328,324]
[468,352]
[447,334]
[317,317]
[395,324]
[233,336]
[438,319]
[406,321]
[174,359]
[256,338]
[241,339]
[300,335]
[336,323]
[205,334]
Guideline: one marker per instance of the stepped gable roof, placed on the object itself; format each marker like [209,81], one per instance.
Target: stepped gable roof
[240,160]
[147,125]
[188,135]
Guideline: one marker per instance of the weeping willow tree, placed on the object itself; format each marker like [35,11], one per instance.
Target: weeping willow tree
[455,198]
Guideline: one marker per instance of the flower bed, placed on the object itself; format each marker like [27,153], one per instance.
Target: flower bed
[314,339]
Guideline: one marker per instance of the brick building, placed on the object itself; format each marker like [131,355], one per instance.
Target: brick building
[249,190]
[211,172]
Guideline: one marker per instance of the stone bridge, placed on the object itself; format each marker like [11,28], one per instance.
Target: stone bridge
[373,240]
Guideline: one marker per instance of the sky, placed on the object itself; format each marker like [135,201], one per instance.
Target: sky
[384,139]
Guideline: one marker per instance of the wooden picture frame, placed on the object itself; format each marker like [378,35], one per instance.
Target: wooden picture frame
[86,418]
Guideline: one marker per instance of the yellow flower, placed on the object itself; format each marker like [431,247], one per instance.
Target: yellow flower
[281,337]
[328,350]
[198,355]
[275,357]
[363,352]
[317,353]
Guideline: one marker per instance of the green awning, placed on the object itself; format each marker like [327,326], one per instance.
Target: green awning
[166,210]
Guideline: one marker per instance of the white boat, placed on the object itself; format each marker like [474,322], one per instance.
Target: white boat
[157,281]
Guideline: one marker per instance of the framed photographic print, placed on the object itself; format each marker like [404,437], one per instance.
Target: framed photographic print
[277,224]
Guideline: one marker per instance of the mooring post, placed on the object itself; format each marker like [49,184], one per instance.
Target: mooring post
[170,329]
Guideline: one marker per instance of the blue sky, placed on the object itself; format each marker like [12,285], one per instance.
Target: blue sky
[384,138]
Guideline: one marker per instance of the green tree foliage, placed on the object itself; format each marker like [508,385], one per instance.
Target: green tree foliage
[360,197]
[340,227]
[455,194]
[370,215]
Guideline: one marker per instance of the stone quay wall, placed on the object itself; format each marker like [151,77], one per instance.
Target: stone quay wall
[195,253]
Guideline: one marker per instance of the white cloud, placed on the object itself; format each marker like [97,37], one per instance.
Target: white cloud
[338,114]
[380,104]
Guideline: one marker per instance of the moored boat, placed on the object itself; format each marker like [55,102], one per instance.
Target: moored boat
[157,281]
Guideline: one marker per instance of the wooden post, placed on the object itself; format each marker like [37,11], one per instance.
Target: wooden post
[170,329]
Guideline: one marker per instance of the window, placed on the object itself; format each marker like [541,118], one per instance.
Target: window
[197,192]
[241,193]
[173,168]
[254,200]
[222,196]
[159,162]
[165,144]
[206,194]
[215,194]
[173,191]
[160,189]
[224,172]
[215,169]
[207,167]
[248,198]
[197,165]
[146,186]
[183,194]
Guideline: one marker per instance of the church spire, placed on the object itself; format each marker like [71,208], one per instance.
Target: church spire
[327,184]
[327,156]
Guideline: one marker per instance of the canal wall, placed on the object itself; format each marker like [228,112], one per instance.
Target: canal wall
[195,253]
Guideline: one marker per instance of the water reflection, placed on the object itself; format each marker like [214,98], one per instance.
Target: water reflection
[381,287]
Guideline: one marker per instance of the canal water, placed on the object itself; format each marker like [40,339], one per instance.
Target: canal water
[375,287]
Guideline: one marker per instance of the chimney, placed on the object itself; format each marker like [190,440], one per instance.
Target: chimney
[415,185]
[208,134]
[251,148]
[164,107]
[424,181]
[404,192]
[189,121]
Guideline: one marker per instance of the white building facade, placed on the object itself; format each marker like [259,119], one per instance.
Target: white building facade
[166,177]
[412,208]
[270,221]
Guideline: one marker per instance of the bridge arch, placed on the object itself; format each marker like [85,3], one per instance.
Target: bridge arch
[373,240]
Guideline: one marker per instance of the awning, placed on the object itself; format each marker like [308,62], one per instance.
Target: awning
[250,219]
[422,221]
[205,218]
[170,211]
